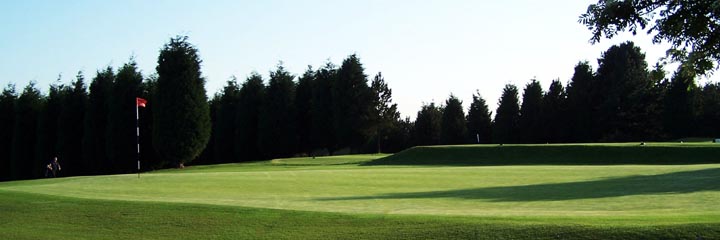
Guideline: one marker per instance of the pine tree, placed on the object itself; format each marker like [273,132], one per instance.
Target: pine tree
[277,136]
[47,128]
[148,156]
[530,122]
[303,105]
[582,105]
[7,119]
[95,122]
[680,108]
[554,114]
[428,125]
[181,115]
[352,105]
[628,109]
[252,94]
[453,129]
[505,126]
[385,115]
[322,134]
[27,110]
[70,128]
[479,121]
[224,127]
[121,135]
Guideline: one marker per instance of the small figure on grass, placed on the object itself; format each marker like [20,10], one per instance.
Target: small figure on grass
[52,168]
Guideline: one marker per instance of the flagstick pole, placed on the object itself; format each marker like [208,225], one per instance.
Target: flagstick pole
[137,127]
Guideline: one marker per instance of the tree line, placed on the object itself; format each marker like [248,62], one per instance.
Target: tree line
[329,110]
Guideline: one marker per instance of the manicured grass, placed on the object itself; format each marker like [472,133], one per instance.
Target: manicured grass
[349,197]
[33,216]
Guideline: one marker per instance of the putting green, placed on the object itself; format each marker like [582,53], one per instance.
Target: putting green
[642,194]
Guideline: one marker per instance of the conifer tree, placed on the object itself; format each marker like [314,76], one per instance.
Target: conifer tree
[70,128]
[505,126]
[479,121]
[530,122]
[121,133]
[27,111]
[453,129]
[7,119]
[251,96]
[181,115]
[95,120]
[277,136]
[303,105]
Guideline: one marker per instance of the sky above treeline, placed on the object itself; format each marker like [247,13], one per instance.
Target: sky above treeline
[426,50]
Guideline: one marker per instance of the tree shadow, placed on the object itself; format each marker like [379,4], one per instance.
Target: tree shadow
[669,183]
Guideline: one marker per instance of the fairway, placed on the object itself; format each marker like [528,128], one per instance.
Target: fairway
[597,196]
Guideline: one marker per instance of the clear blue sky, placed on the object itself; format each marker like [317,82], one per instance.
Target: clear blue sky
[425,49]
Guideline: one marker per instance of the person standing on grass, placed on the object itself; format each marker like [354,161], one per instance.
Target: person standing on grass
[53,168]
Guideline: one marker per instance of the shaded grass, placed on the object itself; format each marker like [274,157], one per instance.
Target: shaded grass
[556,154]
[34,216]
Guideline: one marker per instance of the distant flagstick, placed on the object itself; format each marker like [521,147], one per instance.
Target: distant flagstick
[139,102]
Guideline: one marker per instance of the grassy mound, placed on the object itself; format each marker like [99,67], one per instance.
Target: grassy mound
[557,154]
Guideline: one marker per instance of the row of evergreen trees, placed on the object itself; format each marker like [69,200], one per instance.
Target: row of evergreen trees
[621,101]
[332,109]
[91,133]
[337,109]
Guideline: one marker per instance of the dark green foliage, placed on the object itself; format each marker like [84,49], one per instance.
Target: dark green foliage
[47,128]
[530,123]
[27,111]
[505,126]
[427,125]
[551,154]
[680,107]
[150,160]
[554,114]
[453,129]
[208,154]
[628,110]
[709,118]
[385,115]
[277,127]
[70,127]
[399,136]
[95,122]
[582,104]
[322,119]
[121,133]
[303,105]
[692,27]
[352,105]
[479,121]
[247,134]
[224,127]
[7,119]
[181,116]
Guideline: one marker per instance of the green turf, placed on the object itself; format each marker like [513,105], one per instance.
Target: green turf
[346,197]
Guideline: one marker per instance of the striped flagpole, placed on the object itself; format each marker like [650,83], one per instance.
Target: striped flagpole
[137,127]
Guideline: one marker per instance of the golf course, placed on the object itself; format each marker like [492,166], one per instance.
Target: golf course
[554,191]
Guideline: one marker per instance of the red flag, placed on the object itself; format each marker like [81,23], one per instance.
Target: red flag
[140,102]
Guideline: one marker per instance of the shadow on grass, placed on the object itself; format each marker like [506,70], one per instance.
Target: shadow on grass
[486,155]
[670,183]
